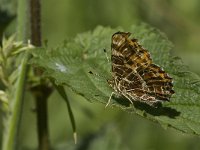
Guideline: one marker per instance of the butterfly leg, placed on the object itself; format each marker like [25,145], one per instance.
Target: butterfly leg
[109,100]
[128,97]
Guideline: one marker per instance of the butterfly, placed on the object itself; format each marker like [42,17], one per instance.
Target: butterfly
[134,75]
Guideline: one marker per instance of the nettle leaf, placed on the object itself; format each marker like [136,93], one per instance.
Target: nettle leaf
[71,63]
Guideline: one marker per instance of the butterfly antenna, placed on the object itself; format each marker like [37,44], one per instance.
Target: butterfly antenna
[96,74]
[111,95]
[104,50]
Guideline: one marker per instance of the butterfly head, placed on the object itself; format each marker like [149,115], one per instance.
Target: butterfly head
[120,38]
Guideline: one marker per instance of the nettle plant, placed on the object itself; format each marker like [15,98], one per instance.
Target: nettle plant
[81,65]
[71,65]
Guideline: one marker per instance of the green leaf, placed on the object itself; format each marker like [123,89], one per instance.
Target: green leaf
[71,63]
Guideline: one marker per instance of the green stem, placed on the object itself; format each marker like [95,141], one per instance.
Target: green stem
[23,20]
[13,117]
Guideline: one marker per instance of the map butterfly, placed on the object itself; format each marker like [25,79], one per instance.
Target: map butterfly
[134,75]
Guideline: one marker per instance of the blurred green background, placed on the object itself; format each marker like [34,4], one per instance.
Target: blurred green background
[100,128]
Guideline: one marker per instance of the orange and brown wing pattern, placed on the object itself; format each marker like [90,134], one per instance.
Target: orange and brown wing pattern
[134,74]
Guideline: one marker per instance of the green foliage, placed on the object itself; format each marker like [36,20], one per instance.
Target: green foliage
[8,71]
[71,63]
[12,75]
[8,5]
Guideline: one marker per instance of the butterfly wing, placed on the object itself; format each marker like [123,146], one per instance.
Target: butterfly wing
[134,74]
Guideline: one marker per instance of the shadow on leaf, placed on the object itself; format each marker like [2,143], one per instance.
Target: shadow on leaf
[156,110]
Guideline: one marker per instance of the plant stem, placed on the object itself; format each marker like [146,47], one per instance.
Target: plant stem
[22,21]
[41,94]
[41,91]
[12,120]
[41,105]
[35,22]
[13,116]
